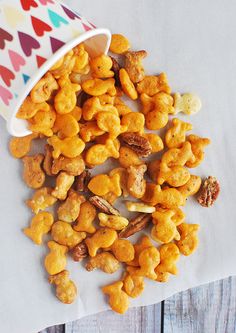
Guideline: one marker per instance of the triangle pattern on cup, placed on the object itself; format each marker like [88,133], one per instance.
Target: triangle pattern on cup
[25,78]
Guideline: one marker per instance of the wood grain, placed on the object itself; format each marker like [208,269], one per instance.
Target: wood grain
[136,320]
[207,309]
[210,308]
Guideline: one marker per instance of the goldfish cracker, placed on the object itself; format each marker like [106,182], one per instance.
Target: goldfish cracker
[43,122]
[86,218]
[102,238]
[166,198]
[134,66]
[29,109]
[69,147]
[148,260]
[133,285]
[153,170]
[48,160]
[89,131]
[123,250]
[164,230]
[33,174]
[55,261]
[102,184]
[76,113]
[66,98]
[155,142]
[122,172]
[81,65]
[178,156]
[144,243]
[73,166]
[151,85]
[66,290]
[109,122]
[160,102]
[66,126]
[139,207]
[136,184]
[176,135]
[101,67]
[64,234]
[178,216]
[97,87]
[40,225]
[93,106]
[127,85]
[58,64]
[121,107]
[198,145]
[169,254]
[128,158]
[107,99]
[191,187]
[188,238]
[41,200]
[43,90]
[69,210]
[64,66]
[134,121]
[104,261]
[156,120]
[110,197]
[175,176]
[112,221]
[119,44]
[19,147]
[187,103]
[99,153]
[63,184]
[118,299]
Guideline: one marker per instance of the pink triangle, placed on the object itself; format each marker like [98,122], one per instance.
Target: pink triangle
[86,27]
[56,44]
[40,61]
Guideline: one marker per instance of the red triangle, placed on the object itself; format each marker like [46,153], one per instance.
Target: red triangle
[40,60]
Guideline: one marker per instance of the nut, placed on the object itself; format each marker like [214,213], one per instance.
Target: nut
[116,69]
[135,225]
[82,181]
[209,192]
[137,143]
[80,251]
[103,205]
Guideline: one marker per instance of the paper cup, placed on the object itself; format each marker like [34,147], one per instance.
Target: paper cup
[34,34]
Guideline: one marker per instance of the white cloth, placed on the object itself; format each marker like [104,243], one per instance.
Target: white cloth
[194,43]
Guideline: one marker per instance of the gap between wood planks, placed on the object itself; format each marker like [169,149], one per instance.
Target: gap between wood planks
[207,309]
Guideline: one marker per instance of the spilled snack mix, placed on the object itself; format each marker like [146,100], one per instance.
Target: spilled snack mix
[78,112]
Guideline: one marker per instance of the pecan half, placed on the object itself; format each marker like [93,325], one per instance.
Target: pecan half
[82,181]
[137,143]
[103,205]
[116,69]
[135,225]
[209,192]
[79,252]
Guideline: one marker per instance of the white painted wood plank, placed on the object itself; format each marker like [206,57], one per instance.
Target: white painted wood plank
[208,309]
[136,320]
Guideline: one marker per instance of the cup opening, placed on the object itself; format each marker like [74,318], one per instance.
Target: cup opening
[97,41]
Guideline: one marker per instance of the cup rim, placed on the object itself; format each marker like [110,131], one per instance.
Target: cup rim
[45,67]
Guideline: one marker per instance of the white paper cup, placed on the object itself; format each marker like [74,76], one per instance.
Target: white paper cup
[34,34]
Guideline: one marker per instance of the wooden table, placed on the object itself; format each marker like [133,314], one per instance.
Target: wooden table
[207,309]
